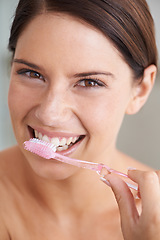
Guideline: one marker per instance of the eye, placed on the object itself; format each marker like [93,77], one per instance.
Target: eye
[34,74]
[90,83]
[30,74]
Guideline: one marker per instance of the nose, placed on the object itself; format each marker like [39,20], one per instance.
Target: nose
[54,109]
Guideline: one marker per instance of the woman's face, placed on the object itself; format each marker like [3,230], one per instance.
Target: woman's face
[68,83]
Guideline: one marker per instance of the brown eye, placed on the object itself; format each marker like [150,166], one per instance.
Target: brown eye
[30,74]
[90,83]
[34,75]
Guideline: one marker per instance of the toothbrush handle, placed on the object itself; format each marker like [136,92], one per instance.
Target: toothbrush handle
[76,162]
[99,168]
[110,170]
[102,172]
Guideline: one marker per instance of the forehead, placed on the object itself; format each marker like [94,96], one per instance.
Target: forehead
[66,39]
[57,26]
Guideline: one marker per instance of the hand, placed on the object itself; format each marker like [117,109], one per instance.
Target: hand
[135,225]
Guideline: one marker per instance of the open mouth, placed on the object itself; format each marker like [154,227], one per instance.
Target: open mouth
[61,143]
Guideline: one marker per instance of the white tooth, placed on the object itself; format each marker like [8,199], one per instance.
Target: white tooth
[65,147]
[55,141]
[40,136]
[69,140]
[59,149]
[36,133]
[45,138]
[63,142]
[75,139]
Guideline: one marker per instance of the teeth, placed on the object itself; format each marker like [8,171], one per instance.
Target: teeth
[65,147]
[45,138]
[55,141]
[75,139]
[40,136]
[36,134]
[63,142]
[69,140]
[59,149]
[61,145]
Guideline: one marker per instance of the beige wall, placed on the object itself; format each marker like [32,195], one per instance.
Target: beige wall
[140,134]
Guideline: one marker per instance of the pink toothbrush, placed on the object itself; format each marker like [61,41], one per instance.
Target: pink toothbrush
[48,151]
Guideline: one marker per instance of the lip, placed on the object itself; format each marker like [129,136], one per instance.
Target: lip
[59,135]
[71,149]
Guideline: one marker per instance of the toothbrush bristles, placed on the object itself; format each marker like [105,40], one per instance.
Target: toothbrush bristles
[41,148]
[48,151]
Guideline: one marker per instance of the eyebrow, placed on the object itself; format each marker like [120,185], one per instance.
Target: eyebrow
[86,74]
[21,61]
[77,75]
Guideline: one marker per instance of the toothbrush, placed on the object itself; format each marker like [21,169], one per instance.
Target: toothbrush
[48,151]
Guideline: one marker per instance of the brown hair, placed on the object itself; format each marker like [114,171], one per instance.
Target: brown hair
[127,23]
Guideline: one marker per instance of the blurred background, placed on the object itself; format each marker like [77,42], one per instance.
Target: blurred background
[140,133]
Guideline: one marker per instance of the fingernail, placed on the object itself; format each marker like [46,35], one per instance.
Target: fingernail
[137,198]
[131,168]
[105,181]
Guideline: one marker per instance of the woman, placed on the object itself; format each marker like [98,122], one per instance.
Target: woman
[78,67]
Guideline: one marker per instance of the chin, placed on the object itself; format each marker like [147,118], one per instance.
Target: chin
[51,169]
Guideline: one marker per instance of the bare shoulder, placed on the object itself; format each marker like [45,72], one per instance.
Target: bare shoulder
[8,160]
[4,235]
[9,167]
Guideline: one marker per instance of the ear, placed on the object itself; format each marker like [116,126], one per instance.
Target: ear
[141,91]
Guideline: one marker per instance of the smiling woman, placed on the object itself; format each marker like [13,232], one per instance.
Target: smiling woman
[78,67]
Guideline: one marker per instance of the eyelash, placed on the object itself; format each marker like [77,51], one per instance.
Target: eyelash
[93,83]
[27,72]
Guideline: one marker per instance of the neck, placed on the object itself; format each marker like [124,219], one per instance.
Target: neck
[82,191]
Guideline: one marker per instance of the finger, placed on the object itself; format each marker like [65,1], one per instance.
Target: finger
[149,188]
[125,199]
[158,174]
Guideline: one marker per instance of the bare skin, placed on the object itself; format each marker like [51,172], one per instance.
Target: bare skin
[144,224]
[25,214]
[65,82]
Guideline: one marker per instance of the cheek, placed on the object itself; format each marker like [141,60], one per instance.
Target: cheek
[19,101]
[103,115]
[15,100]
[12,99]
